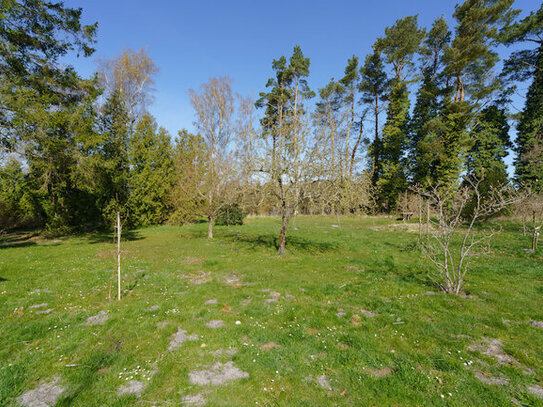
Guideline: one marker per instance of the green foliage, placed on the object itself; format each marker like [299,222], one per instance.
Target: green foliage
[392,178]
[468,68]
[230,214]
[529,142]
[428,105]
[34,34]
[190,160]
[449,142]
[289,78]
[400,43]
[373,86]
[490,144]
[18,207]
[470,58]
[150,177]
[110,160]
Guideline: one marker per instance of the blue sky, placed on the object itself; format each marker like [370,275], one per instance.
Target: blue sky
[192,41]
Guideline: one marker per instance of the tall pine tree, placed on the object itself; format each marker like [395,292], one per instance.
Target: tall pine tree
[527,64]
[422,161]
[399,45]
[373,86]
[468,68]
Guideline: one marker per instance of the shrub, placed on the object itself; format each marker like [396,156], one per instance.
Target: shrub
[230,214]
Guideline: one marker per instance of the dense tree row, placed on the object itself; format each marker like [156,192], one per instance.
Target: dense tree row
[79,151]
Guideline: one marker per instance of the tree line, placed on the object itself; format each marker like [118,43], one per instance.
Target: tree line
[79,151]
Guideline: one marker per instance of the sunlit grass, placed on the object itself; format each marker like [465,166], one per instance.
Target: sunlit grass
[414,351]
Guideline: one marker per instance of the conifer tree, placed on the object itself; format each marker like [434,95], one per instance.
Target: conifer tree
[422,161]
[151,169]
[373,86]
[110,159]
[527,64]
[490,144]
[468,68]
[399,45]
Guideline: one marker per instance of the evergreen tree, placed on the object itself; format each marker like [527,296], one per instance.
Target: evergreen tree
[151,169]
[350,85]
[468,68]
[373,86]
[527,64]
[422,161]
[110,160]
[34,34]
[490,143]
[400,44]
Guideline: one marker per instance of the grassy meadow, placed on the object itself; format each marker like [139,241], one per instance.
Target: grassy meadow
[348,317]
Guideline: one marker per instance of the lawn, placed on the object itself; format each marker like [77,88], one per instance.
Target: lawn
[347,317]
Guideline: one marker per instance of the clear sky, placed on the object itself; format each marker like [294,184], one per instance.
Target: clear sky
[192,41]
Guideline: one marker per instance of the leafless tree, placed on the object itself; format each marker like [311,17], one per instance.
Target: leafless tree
[452,240]
[214,105]
[132,75]
[530,212]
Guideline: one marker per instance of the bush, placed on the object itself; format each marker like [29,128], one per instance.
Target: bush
[230,215]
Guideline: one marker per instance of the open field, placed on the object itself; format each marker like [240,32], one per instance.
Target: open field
[347,317]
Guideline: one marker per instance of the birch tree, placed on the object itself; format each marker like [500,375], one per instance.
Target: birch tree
[214,106]
[131,74]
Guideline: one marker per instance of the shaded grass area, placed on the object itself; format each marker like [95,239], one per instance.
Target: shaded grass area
[353,304]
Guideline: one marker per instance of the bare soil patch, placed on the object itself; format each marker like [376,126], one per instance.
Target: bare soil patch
[98,319]
[181,337]
[224,352]
[493,348]
[199,278]
[536,391]
[217,374]
[383,372]
[269,346]
[367,313]
[197,400]
[193,260]
[215,323]
[45,395]
[42,305]
[487,378]
[134,387]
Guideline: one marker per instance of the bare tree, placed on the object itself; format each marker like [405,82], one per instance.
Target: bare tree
[214,106]
[531,214]
[131,74]
[452,240]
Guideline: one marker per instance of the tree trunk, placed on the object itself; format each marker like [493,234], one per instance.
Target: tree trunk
[283,234]
[119,255]
[376,152]
[210,228]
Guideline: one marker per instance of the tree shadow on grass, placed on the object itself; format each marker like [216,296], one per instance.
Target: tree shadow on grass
[272,241]
[108,237]
[18,239]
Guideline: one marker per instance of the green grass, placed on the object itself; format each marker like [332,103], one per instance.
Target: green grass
[364,265]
